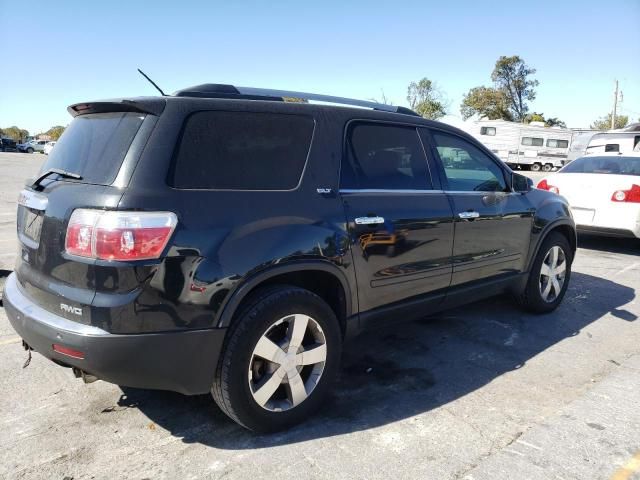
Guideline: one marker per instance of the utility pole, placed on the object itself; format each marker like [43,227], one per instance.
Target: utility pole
[615,107]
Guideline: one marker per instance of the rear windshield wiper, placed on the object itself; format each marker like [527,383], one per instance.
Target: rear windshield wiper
[58,171]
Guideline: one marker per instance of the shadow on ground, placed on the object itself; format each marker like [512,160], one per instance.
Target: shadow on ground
[627,246]
[395,373]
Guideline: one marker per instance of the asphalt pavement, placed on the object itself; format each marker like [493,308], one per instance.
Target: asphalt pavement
[484,391]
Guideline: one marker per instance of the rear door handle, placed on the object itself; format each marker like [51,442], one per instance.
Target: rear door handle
[369,220]
[468,215]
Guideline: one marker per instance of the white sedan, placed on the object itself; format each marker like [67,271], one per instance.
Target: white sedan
[603,192]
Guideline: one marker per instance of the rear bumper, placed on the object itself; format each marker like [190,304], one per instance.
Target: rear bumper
[183,361]
[613,219]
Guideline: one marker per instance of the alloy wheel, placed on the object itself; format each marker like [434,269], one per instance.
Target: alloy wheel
[552,274]
[287,363]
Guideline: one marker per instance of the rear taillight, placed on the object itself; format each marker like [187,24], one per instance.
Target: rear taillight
[631,196]
[543,185]
[114,235]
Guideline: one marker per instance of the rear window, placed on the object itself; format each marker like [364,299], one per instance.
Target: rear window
[607,165]
[95,145]
[242,151]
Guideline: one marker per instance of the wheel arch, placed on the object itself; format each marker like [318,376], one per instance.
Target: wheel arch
[320,277]
[564,226]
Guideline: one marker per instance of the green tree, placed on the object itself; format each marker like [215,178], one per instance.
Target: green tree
[425,98]
[487,103]
[548,122]
[555,122]
[55,132]
[512,76]
[534,117]
[604,123]
[508,99]
[16,133]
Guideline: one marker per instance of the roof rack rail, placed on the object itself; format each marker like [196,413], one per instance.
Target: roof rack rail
[211,90]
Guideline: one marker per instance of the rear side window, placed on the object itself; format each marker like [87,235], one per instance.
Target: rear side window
[386,157]
[94,145]
[532,141]
[242,151]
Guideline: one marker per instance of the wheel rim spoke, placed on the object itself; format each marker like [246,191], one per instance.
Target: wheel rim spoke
[297,391]
[269,350]
[269,387]
[553,260]
[547,289]
[545,270]
[298,329]
[312,356]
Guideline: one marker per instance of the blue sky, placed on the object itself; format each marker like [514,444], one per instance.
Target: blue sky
[75,51]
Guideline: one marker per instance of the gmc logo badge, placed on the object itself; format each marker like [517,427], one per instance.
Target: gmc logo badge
[69,309]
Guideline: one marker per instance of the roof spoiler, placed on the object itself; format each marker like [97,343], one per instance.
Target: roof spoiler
[214,90]
[152,107]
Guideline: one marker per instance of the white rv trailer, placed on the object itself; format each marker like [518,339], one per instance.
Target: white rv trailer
[522,145]
[618,141]
[586,142]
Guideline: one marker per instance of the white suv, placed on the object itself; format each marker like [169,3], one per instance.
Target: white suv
[32,146]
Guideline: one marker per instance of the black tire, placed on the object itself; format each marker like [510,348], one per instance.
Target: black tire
[547,167]
[536,167]
[29,150]
[231,389]
[531,298]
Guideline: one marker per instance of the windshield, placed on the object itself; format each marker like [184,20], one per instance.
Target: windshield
[94,145]
[607,165]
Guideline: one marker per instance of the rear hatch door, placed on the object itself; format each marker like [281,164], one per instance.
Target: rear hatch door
[97,149]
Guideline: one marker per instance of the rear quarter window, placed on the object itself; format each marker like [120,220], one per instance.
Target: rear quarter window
[242,151]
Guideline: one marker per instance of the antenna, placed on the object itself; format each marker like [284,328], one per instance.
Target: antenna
[152,83]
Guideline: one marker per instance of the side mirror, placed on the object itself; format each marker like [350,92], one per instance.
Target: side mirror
[520,183]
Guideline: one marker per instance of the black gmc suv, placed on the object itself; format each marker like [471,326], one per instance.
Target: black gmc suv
[222,239]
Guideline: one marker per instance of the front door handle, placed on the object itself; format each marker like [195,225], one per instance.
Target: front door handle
[369,220]
[468,215]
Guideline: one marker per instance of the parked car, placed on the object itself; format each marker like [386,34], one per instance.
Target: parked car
[48,147]
[8,145]
[32,146]
[603,191]
[224,240]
